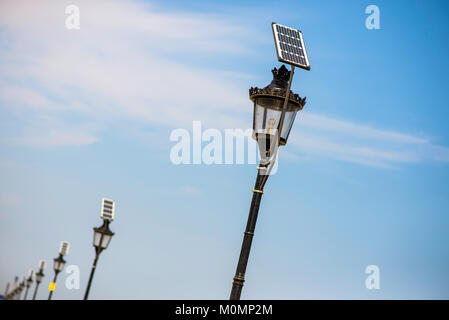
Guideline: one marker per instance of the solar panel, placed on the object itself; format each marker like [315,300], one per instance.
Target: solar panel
[290,46]
[107,209]
[64,250]
[42,264]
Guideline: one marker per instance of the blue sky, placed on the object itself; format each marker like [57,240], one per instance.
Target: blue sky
[363,179]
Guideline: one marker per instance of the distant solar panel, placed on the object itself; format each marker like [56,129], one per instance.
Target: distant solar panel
[107,209]
[64,249]
[42,264]
[290,46]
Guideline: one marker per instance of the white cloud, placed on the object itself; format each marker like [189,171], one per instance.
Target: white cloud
[62,137]
[116,67]
[44,132]
[345,127]
[117,64]
[348,141]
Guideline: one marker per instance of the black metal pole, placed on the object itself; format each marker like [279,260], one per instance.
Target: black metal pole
[26,293]
[239,277]
[35,290]
[54,280]
[19,294]
[94,266]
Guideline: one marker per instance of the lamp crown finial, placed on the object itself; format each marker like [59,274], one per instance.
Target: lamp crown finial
[281,74]
[280,77]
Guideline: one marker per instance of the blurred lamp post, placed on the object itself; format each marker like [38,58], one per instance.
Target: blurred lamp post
[6,291]
[58,265]
[15,293]
[102,236]
[39,276]
[275,108]
[9,294]
[29,282]
[20,288]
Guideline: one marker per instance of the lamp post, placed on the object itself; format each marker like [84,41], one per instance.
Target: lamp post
[6,291]
[39,276]
[102,237]
[58,265]
[20,288]
[15,291]
[29,282]
[275,108]
[9,294]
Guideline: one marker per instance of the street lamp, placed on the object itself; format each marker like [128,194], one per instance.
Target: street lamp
[6,291]
[15,291]
[20,288]
[29,282]
[39,276]
[102,236]
[275,108]
[9,294]
[274,114]
[58,265]
[270,116]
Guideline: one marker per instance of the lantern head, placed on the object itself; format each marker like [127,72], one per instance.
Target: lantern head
[268,107]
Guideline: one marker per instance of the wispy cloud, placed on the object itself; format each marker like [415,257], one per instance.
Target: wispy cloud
[362,131]
[45,131]
[361,144]
[53,137]
[126,61]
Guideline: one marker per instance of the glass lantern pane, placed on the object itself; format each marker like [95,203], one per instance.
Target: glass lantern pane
[59,265]
[257,117]
[106,240]
[289,118]
[267,114]
[271,120]
[264,117]
[38,277]
[97,237]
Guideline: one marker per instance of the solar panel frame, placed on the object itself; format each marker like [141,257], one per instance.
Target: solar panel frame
[292,47]
[107,209]
[64,248]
